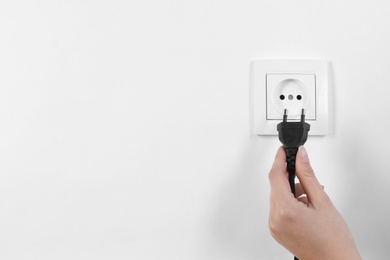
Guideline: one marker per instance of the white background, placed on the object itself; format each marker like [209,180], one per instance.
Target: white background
[125,125]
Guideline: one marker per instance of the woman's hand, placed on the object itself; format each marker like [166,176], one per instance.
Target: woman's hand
[309,226]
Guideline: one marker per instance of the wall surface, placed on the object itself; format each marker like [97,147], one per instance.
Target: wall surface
[125,125]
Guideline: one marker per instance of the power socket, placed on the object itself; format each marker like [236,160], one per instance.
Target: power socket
[293,85]
[293,92]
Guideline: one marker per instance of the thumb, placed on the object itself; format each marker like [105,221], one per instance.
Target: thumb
[306,177]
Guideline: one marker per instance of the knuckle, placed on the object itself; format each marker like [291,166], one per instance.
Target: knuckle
[281,219]
[275,232]
[286,215]
[273,227]
[271,174]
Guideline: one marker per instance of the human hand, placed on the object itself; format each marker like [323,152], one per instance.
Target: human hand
[309,226]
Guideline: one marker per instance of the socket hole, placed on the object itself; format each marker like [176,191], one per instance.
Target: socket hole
[290,97]
[281,97]
[299,97]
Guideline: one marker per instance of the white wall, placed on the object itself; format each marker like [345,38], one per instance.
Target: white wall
[125,125]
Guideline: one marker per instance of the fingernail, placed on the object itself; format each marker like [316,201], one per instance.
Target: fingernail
[303,153]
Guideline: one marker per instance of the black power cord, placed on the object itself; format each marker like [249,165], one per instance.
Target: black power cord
[292,135]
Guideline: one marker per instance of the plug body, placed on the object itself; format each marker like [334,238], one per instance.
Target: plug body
[292,135]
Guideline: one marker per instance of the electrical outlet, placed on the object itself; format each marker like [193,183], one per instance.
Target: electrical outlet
[293,85]
[292,92]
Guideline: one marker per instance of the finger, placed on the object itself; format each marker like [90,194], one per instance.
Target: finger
[306,177]
[303,199]
[278,178]
[299,191]
[280,160]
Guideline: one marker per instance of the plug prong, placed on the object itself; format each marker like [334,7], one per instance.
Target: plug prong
[303,115]
[285,115]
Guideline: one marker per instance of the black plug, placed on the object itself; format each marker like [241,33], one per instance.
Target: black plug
[292,135]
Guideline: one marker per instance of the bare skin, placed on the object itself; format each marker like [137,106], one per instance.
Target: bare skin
[309,226]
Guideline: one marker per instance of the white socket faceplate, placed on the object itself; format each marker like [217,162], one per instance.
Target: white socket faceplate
[291,85]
